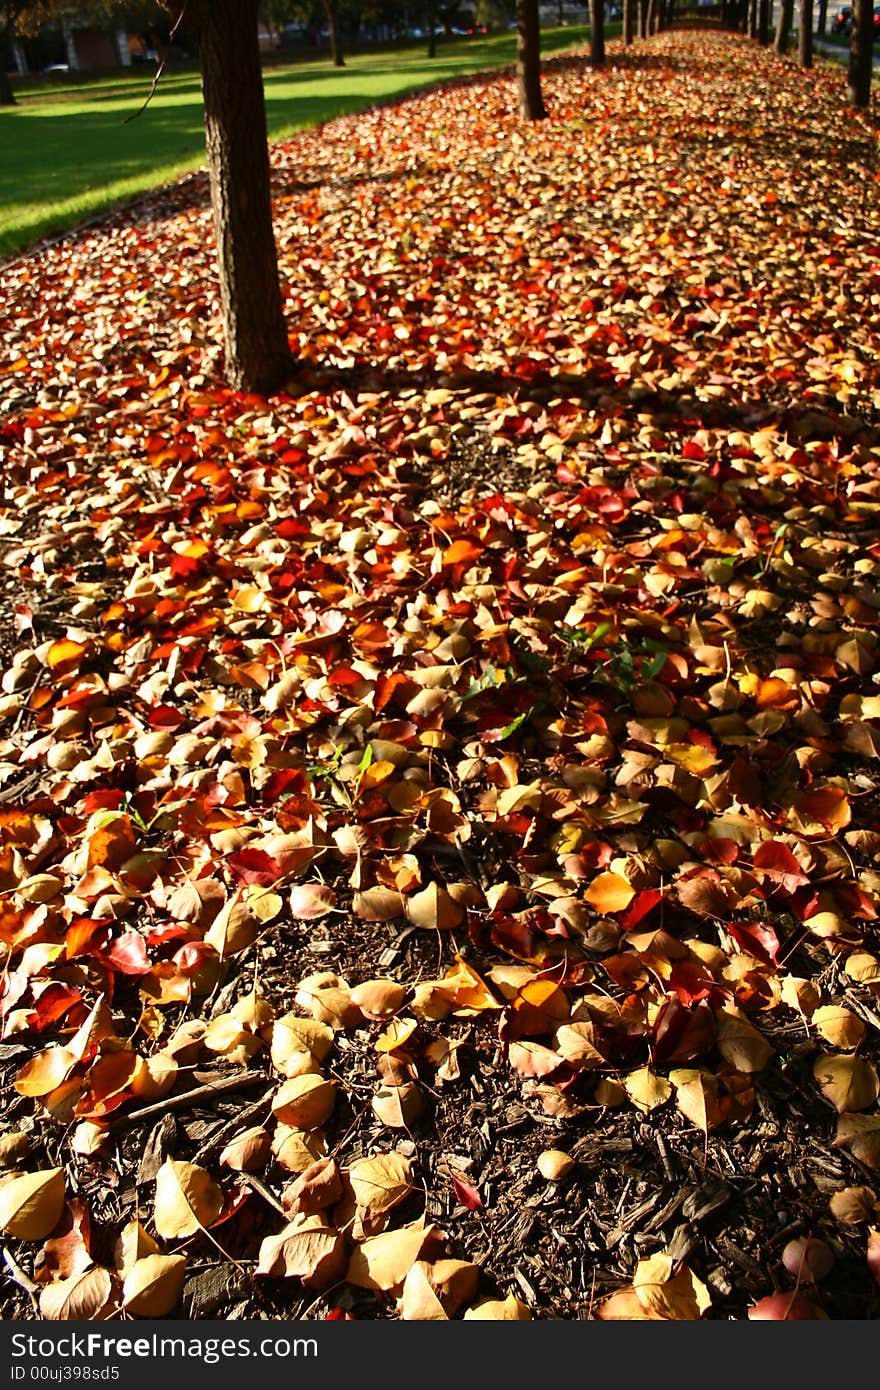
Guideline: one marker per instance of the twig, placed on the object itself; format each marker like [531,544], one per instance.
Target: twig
[262,1190]
[238,1122]
[238,1082]
[22,1280]
[159,71]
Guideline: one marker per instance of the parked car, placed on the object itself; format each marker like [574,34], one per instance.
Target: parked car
[842,21]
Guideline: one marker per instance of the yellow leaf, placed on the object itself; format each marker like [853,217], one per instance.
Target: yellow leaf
[153,1285]
[304,1102]
[379,1183]
[379,998]
[31,1206]
[610,892]
[510,1309]
[670,1292]
[384,1261]
[396,1035]
[44,1072]
[646,1090]
[234,928]
[839,1027]
[187,1199]
[132,1244]
[740,1043]
[848,1082]
[262,903]
[433,909]
[419,1301]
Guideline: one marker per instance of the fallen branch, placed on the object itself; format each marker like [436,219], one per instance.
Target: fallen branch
[238,1082]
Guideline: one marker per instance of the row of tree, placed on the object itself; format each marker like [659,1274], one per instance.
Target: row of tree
[225,33]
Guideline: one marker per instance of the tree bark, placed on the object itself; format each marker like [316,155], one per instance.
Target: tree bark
[528,61]
[861,45]
[783,27]
[643,18]
[651,22]
[753,19]
[597,33]
[805,34]
[822,17]
[629,21]
[764,22]
[335,41]
[257,351]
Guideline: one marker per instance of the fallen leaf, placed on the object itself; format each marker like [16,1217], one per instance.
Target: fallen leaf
[187,1199]
[31,1205]
[153,1285]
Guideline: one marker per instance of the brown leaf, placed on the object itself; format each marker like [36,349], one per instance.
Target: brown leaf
[308,1248]
[81,1298]
[320,1186]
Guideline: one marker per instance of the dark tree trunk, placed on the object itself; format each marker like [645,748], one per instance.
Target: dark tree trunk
[651,22]
[764,21]
[333,26]
[753,19]
[643,18]
[528,61]
[822,18]
[597,33]
[861,54]
[432,24]
[257,351]
[805,34]
[783,27]
[7,95]
[629,21]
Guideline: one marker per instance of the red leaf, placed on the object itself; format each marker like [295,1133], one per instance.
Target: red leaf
[128,954]
[254,866]
[755,940]
[777,863]
[467,1194]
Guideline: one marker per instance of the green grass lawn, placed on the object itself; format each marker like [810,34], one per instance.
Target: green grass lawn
[66,152]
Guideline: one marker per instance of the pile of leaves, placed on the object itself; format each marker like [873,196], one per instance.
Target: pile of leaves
[439,804]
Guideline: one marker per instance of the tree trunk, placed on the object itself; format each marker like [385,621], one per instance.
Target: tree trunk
[753,19]
[651,19]
[764,22]
[805,34]
[822,18]
[432,25]
[335,41]
[597,33]
[7,95]
[861,45]
[528,61]
[629,21]
[643,19]
[783,27]
[257,351]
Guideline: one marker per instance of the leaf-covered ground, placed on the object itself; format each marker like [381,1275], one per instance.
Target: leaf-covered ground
[439,805]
